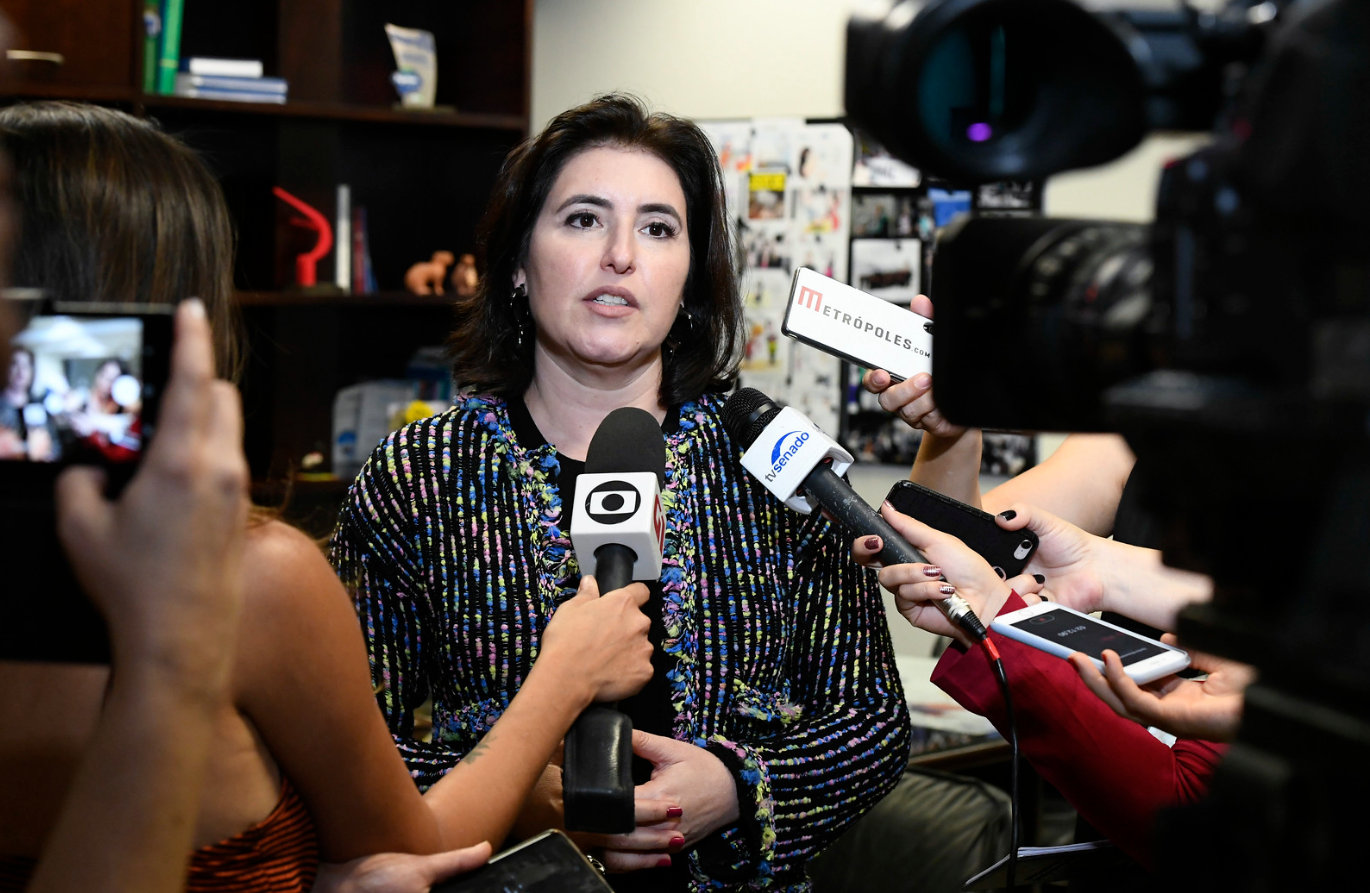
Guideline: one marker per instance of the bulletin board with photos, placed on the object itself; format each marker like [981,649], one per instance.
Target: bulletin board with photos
[788,185]
[814,194]
[895,215]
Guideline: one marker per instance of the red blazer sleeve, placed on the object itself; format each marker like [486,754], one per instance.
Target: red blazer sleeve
[1113,771]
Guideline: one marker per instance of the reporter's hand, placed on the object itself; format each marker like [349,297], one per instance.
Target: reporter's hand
[691,794]
[657,822]
[163,563]
[398,872]
[917,587]
[602,640]
[1210,709]
[1066,556]
[912,400]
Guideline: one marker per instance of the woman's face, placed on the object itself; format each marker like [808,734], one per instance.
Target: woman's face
[607,261]
[104,378]
[21,371]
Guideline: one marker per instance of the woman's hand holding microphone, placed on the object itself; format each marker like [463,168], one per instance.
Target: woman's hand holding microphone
[953,568]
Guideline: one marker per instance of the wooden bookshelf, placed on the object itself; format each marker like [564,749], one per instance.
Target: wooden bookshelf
[423,176]
[336,299]
[337,111]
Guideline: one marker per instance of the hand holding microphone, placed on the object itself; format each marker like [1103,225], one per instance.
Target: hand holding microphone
[618,529]
[802,466]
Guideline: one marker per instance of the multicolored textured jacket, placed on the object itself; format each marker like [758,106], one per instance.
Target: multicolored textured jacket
[453,540]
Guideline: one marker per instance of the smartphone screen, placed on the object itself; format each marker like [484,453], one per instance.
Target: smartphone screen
[1087,635]
[81,386]
[548,863]
[74,391]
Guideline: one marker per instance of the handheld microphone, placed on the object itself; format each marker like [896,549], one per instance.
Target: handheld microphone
[801,465]
[618,529]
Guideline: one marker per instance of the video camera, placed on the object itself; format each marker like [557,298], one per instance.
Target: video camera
[1229,341]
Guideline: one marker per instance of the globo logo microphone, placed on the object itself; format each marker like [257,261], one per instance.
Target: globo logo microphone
[619,507]
[613,502]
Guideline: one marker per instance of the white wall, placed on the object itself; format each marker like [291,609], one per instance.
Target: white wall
[763,58]
[697,58]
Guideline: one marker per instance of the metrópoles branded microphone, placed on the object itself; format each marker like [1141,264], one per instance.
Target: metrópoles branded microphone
[618,529]
[801,465]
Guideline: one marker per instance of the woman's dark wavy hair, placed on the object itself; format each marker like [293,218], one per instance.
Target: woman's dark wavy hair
[484,345]
[113,209]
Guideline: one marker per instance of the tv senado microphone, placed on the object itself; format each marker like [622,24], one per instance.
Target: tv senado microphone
[801,465]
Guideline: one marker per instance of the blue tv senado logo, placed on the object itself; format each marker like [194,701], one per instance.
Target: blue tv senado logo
[785,449]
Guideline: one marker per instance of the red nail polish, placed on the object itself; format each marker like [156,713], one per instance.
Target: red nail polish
[932,570]
[664,862]
[676,842]
[674,812]
[872,542]
[947,589]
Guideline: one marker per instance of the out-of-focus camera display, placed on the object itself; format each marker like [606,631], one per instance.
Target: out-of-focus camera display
[82,385]
[74,389]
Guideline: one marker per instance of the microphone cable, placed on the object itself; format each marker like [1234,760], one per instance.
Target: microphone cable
[988,644]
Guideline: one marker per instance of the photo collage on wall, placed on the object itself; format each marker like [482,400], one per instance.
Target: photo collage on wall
[896,213]
[788,186]
[818,196]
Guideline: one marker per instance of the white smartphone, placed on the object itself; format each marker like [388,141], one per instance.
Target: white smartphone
[1059,630]
[857,327]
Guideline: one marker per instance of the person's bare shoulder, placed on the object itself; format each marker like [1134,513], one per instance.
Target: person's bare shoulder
[277,553]
[291,593]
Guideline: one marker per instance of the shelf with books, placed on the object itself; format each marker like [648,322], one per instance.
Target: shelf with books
[338,111]
[136,100]
[294,298]
[420,176]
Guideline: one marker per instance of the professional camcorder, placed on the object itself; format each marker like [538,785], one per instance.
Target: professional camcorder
[1229,341]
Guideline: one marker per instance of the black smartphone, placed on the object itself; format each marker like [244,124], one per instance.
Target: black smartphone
[82,386]
[1007,551]
[548,863]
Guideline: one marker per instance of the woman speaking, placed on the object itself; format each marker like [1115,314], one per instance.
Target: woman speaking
[775,715]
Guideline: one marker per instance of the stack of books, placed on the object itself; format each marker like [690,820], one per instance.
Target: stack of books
[165,72]
[233,80]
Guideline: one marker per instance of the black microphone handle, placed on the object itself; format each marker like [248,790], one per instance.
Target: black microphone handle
[613,566]
[837,496]
[597,776]
[843,503]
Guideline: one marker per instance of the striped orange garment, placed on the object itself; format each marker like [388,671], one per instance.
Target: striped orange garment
[279,854]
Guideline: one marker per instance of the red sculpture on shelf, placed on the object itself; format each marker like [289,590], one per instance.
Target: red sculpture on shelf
[306,272]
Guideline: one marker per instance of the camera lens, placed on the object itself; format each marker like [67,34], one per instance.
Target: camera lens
[1068,300]
[979,90]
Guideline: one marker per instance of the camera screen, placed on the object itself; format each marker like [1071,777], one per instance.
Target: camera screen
[74,391]
[1087,635]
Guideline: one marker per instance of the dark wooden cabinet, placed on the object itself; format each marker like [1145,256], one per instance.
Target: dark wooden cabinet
[99,43]
[423,176]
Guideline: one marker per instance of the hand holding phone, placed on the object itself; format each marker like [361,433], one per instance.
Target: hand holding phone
[547,863]
[1062,631]
[913,400]
[83,387]
[1209,708]
[1007,551]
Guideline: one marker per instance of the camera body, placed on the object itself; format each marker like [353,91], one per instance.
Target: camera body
[84,386]
[1228,341]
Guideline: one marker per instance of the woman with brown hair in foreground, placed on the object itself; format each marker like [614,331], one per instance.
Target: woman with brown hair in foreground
[301,766]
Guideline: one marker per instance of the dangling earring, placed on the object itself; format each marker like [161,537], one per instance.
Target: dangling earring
[522,312]
[681,329]
[684,320]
